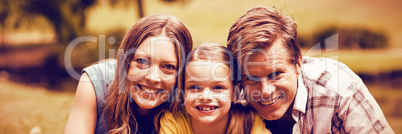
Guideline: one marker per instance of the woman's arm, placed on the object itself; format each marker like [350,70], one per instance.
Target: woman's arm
[83,116]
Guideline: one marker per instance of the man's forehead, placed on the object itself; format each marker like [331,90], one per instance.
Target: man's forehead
[266,55]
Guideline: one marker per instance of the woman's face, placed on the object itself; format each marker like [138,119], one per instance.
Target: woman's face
[208,91]
[152,72]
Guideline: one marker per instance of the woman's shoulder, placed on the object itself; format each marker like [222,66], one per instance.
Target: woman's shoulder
[102,70]
[101,74]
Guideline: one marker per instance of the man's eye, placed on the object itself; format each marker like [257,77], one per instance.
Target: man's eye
[250,80]
[142,61]
[274,75]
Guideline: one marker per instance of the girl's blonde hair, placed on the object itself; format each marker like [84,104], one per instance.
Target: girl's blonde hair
[241,118]
[118,110]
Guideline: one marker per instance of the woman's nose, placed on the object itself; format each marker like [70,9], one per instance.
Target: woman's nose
[154,74]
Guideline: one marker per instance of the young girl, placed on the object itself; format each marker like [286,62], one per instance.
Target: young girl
[147,72]
[209,97]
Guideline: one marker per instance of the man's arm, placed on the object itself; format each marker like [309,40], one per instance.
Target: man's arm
[361,113]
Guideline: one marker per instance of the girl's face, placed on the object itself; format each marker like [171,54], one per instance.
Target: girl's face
[208,91]
[152,72]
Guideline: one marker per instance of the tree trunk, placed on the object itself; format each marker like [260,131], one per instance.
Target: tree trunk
[140,8]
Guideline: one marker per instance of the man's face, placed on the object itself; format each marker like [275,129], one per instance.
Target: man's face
[269,80]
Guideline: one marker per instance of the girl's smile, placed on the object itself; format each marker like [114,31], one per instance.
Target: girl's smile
[208,91]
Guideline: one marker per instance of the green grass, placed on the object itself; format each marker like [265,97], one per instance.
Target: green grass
[24,107]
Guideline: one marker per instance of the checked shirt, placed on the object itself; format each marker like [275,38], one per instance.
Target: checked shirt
[333,99]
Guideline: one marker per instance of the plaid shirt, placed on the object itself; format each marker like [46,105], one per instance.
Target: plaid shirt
[332,99]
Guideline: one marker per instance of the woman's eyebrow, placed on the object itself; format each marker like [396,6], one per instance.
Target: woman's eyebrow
[170,62]
[139,54]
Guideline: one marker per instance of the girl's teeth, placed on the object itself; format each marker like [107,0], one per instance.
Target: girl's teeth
[206,108]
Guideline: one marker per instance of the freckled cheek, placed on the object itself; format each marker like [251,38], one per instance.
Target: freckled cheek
[169,81]
[189,98]
[136,74]
[224,96]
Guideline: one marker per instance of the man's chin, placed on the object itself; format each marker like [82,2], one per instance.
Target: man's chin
[270,117]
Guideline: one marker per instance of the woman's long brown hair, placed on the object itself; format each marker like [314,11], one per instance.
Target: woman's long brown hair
[118,110]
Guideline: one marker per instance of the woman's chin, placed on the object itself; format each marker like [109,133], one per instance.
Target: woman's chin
[146,103]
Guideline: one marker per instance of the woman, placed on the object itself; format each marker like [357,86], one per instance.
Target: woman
[148,73]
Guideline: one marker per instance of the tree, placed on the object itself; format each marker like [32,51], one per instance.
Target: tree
[67,17]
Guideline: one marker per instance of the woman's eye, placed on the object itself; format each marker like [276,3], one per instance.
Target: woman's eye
[170,67]
[142,61]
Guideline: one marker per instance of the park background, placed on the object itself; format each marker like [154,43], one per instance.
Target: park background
[36,92]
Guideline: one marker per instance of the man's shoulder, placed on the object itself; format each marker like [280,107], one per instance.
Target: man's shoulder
[314,67]
[328,76]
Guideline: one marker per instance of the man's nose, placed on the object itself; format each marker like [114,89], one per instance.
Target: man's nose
[266,88]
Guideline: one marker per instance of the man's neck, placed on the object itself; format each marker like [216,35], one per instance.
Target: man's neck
[283,125]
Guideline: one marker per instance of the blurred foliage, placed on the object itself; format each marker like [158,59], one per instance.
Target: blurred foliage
[67,17]
[348,38]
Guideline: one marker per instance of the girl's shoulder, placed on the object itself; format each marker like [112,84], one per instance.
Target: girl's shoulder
[259,125]
[178,123]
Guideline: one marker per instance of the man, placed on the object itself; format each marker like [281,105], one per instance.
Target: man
[296,94]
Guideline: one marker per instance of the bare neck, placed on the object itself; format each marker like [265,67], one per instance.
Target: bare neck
[218,127]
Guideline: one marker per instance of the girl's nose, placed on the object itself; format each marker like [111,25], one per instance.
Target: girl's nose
[207,95]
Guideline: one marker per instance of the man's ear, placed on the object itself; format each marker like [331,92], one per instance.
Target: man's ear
[298,66]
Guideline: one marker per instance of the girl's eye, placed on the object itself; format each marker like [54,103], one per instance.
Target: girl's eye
[142,61]
[195,87]
[219,87]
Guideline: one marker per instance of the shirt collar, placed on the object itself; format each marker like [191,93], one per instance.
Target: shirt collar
[301,96]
